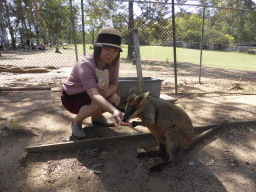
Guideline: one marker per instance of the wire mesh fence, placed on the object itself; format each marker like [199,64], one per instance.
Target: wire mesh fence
[213,44]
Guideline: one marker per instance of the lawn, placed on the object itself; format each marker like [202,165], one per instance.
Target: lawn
[215,59]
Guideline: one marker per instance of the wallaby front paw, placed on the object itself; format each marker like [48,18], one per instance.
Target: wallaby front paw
[155,169]
[141,152]
[141,155]
[136,123]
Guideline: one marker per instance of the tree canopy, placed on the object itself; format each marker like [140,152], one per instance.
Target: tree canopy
[50,21]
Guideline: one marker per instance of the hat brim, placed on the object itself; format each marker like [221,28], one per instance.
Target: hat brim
[108,45]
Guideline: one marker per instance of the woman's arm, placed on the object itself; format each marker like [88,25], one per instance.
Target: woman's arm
[98,99]
[110,91]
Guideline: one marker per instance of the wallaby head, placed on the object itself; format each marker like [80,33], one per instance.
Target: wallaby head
[134,104]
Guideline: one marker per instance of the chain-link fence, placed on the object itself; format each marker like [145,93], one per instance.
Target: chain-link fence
[213,44]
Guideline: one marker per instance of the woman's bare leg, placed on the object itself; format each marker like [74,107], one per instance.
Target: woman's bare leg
[94,110]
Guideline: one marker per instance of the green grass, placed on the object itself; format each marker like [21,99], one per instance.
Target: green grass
[215,59]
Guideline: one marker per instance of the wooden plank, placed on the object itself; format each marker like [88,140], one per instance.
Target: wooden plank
[23,88]
[88,142]
[240,123]
[117,139]
[204,128]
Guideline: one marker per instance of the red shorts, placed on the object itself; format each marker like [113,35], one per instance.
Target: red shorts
[73,103]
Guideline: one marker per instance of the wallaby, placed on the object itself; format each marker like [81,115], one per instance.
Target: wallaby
[168,123]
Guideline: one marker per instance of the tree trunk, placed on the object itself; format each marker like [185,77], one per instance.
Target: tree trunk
[9,25]
[130,29]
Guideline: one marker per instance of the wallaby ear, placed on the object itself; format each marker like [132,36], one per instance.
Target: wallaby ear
[141,98]
[146,94]
[133,90]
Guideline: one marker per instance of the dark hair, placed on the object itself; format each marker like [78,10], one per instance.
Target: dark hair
[97,51]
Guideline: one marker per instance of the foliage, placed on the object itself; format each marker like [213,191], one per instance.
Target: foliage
[56,15]
[100,14]
[214,36]
[189,27]
[154,23]
[51,21]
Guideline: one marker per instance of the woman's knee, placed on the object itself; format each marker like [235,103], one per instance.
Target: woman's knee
[92,107]
[114,99]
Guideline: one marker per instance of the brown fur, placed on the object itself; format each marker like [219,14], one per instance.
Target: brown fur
[168,123]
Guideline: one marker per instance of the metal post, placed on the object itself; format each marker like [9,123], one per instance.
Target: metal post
[174,48]
[82,10]
[138,61]
[201,47]
[73,26]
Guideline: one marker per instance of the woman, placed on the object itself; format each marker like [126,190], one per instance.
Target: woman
[81,93]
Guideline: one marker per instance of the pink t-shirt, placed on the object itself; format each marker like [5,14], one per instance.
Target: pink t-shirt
[83,76]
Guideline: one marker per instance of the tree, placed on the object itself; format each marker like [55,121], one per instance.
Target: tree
[155,24]
[27,18]
[2,16]
[130,32]
[236,23]
[56,15]
[250,26]
[10,25]
[98,14]
[189,27]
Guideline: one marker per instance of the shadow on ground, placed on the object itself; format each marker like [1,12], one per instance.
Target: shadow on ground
[225,162]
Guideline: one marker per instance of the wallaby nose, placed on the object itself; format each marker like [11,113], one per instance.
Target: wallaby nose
[125,119]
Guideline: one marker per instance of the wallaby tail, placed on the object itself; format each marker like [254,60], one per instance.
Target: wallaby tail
[207,133]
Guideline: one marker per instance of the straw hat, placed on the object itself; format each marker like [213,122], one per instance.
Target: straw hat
[109,37]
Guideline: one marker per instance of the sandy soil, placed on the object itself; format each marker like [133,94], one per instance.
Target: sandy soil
[224,162]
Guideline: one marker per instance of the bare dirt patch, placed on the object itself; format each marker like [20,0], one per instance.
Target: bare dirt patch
[224,162]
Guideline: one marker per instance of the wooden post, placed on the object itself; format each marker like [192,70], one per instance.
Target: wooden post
[138,61]
[82,10]
[73,28]
[201,47]
[174,49]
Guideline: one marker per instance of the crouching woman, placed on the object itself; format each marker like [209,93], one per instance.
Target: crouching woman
[82,94]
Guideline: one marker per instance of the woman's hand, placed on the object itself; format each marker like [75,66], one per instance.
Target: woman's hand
[127,124]
[118,116]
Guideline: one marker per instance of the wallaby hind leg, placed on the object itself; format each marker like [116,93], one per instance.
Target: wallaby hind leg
[161,151]
[172,150]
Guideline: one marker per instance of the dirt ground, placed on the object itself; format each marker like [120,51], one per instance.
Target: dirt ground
[224,162]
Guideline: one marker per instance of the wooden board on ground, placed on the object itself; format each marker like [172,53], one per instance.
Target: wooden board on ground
[116,139]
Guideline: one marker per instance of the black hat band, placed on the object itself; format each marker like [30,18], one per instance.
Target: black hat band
[109,39]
